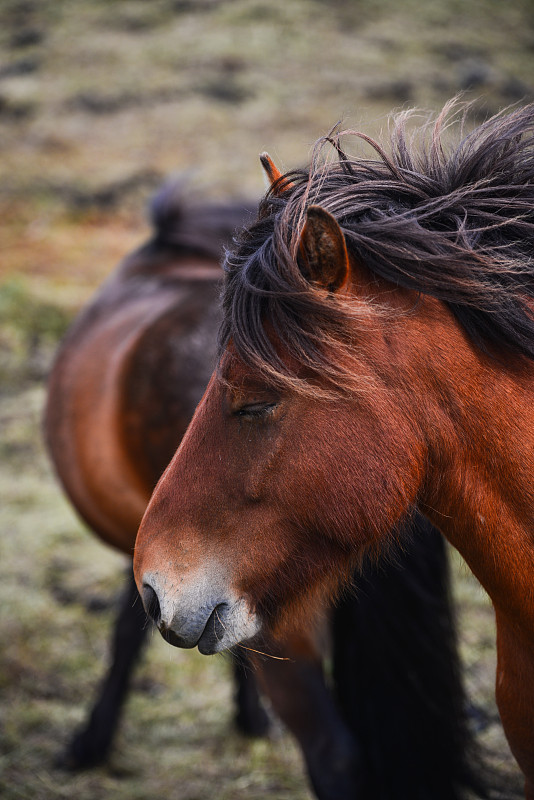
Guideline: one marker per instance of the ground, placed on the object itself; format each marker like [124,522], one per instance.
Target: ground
[99,101]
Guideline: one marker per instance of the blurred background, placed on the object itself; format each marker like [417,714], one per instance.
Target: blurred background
[100,100]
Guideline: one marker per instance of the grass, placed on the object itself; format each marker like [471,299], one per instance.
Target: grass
[100,100]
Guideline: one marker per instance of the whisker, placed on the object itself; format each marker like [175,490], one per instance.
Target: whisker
[268,655]
[251,649]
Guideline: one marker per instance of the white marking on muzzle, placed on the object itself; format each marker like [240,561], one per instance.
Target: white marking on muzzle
[201,610]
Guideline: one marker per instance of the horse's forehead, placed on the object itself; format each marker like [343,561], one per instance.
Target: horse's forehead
[230,364]
[233,368]
[237,375]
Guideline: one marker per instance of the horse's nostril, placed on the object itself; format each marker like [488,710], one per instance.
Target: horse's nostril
[151,603]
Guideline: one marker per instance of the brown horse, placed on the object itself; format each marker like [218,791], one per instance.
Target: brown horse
[122,391]
[111,429]
[376,353]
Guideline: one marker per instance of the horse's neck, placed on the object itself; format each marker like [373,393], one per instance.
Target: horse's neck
[480,490]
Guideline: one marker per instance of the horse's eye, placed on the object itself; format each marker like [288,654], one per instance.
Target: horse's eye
[255,410]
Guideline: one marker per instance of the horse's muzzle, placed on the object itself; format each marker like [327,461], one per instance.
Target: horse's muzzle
[187,619]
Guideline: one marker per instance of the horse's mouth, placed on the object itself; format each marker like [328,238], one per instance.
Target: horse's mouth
[172,638]
[226,626]
[212,638]
[209,641]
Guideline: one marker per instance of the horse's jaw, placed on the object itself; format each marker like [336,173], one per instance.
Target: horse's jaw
[198,612]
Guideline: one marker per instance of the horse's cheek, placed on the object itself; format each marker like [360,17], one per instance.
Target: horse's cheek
[338,474]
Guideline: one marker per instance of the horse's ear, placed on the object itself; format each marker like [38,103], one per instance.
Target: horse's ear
[274,175]
[322,250]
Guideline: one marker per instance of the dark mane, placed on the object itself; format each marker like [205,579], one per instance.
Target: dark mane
[202,228]
[452,221]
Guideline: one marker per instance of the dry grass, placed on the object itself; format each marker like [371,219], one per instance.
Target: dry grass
[98,101]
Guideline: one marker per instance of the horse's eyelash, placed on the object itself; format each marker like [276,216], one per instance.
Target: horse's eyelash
[255,410]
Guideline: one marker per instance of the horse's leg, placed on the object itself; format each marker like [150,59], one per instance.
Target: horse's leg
[251,718]
[300,697]
[92,743]
[398,679]
[515,695]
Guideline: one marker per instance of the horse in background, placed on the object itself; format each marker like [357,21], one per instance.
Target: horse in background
[123,389]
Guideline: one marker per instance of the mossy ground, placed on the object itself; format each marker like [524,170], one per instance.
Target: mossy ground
[98,102]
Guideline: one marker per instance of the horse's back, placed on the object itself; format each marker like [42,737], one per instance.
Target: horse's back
[166,377]
[125,384]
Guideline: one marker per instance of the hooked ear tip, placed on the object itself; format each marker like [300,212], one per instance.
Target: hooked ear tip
[273,173]
[278,186]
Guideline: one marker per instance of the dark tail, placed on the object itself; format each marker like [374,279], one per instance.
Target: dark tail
[398,678]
